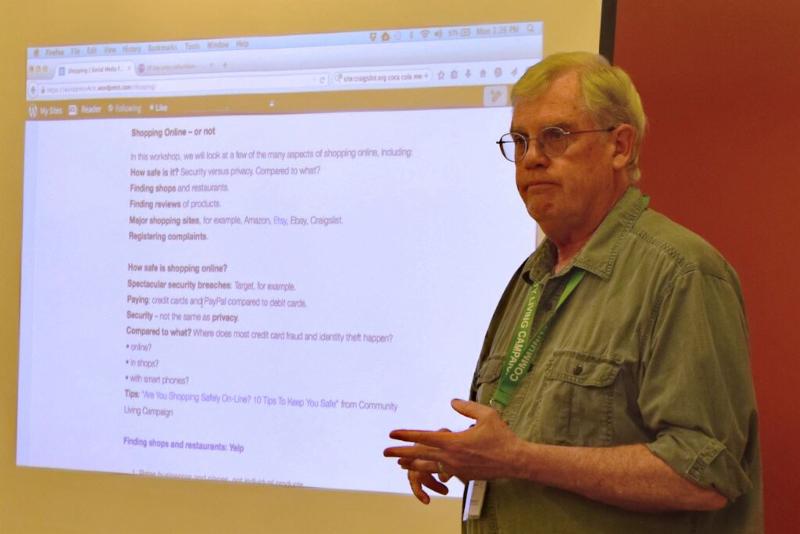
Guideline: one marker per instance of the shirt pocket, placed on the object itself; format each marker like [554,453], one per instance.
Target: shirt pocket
[576,406]
[488,375]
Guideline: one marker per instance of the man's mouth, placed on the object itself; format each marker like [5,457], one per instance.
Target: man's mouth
[540,185]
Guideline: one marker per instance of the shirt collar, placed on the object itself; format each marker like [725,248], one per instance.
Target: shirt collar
[599,254]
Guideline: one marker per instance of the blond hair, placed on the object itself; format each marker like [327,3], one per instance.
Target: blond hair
[608,92]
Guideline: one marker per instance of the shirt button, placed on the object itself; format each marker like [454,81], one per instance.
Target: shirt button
[578,370]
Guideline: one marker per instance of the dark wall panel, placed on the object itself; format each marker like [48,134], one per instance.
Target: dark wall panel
[721,85]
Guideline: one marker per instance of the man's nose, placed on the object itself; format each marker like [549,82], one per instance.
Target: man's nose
[534,156]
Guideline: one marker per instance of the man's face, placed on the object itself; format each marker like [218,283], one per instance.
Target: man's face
[570,193]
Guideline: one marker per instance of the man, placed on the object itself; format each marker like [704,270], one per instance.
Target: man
[616,363]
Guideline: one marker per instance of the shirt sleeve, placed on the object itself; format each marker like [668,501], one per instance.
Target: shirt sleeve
[696,391]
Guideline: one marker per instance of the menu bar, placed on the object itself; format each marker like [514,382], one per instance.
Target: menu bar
[387,36]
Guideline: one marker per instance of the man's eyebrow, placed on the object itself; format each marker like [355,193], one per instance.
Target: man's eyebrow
[564,125]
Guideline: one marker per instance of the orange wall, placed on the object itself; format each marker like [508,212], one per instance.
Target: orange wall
[720,81]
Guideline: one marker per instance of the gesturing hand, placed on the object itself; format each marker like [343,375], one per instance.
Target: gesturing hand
[484,451]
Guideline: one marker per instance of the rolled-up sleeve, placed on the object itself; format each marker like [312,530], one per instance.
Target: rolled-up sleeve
[696,393]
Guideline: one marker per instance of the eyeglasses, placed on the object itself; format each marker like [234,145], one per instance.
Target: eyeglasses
[552,141]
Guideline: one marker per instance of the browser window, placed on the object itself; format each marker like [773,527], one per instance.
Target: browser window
[236,251]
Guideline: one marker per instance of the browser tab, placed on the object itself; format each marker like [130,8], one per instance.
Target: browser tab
[95,71]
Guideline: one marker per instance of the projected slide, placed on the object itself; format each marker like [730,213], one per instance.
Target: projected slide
[248,259]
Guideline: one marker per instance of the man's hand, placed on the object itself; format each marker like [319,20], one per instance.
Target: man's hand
[627,476]
[486,450]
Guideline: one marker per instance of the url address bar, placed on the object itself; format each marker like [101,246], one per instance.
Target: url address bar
[180,86]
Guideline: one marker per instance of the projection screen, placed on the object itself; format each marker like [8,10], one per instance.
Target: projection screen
[256,237]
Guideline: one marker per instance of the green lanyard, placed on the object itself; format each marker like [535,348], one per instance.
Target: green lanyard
[523,348]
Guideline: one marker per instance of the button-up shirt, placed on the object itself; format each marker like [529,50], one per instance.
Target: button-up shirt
[651,348]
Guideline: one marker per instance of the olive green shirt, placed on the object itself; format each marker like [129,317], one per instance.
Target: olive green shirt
[652,348]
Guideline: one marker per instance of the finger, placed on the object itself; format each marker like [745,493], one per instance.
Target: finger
[424,437]
[427,480]
[424,466]
[412,452]
[470,409]
[436,486]
[416,488]
[403,433]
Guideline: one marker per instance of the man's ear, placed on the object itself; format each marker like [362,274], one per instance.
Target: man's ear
[624,136]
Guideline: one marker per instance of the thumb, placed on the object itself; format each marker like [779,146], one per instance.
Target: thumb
[470,409]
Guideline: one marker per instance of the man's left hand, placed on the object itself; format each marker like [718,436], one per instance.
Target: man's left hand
[486,450]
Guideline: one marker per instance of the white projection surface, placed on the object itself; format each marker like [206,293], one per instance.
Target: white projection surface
[261,297]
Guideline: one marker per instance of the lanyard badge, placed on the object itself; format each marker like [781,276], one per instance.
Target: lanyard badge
[523,350]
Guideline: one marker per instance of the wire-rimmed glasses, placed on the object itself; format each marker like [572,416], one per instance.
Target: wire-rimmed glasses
[552,141]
